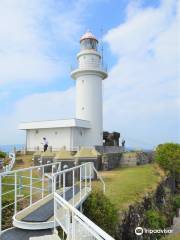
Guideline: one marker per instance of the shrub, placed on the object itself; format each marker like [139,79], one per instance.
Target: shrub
[168,157]
[2,154]
[155,219]
[176,202]
[102,212]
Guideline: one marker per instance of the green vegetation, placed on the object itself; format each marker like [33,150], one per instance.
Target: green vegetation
[155,219]
[101,211]
[23,161]
[172,237]
[176,202]
[125,186]
[168,157]
[2,154]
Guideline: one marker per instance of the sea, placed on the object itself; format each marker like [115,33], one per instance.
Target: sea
[9,148]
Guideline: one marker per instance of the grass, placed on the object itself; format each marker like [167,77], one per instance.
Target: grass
[25,163]
[172,237]
[125,186]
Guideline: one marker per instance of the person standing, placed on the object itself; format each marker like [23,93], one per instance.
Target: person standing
[45,144]
[123,143]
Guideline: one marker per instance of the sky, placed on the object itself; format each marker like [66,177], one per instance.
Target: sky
[39,40]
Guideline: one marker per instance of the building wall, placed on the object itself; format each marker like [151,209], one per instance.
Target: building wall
[81,137]
[57,138]
[71,138]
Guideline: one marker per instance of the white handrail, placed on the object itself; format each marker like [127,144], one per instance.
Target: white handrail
[30,186]
[91,227]
[101,179]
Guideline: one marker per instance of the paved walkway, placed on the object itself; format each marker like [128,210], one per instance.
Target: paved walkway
[20,234]
[176,224]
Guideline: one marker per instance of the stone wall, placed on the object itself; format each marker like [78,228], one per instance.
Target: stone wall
[135,216]
[110,155]
[110,160]
[109,149]
[135,158]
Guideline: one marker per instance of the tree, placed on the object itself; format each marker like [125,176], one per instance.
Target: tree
[168,157]
[2,154]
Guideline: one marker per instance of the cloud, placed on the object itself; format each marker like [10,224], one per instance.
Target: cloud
[141,94]
[32,38]
[142,90]
[37,39]
[36,107]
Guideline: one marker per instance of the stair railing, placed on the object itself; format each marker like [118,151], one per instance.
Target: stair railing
[30,184]
[74,223]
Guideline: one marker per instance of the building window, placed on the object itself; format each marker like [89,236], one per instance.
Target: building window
[82,108]
[81,133]
[36,131]
[82,81]
[56,133]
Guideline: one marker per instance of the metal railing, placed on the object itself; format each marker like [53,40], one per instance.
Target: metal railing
[69,186]
[75,224]
[77,178]
[21,188]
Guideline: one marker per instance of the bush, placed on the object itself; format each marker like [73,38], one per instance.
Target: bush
[176,202]
[102,212]
[167,155]
[2,154]
[155,220]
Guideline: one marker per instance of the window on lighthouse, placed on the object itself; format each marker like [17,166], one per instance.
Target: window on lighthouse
[89,44]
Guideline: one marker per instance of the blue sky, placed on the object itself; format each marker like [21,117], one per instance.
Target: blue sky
[39,40]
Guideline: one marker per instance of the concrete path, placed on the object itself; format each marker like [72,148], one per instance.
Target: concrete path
[176,224]
[20,234]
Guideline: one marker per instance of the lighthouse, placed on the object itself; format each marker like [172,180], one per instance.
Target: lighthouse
[88,77]
[86,129]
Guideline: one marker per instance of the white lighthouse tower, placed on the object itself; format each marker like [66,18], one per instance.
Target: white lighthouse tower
[86,129]
[89,76]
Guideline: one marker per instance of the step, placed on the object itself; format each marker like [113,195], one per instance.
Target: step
[40,215]
[21,234]
[46,237]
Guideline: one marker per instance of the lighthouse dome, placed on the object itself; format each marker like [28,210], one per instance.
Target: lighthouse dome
[88,41]
[88,35]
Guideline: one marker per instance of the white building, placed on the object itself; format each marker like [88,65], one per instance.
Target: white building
[87,128]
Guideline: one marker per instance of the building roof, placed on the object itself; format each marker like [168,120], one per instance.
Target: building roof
[55,124]
[87,153]
[63,154]
[88,35]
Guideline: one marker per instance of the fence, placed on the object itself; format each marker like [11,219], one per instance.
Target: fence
[26,185]
[74,223]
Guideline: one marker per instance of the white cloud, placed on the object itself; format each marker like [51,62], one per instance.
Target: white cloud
[31,32]
[141,93]
[36,107]
[142,90]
